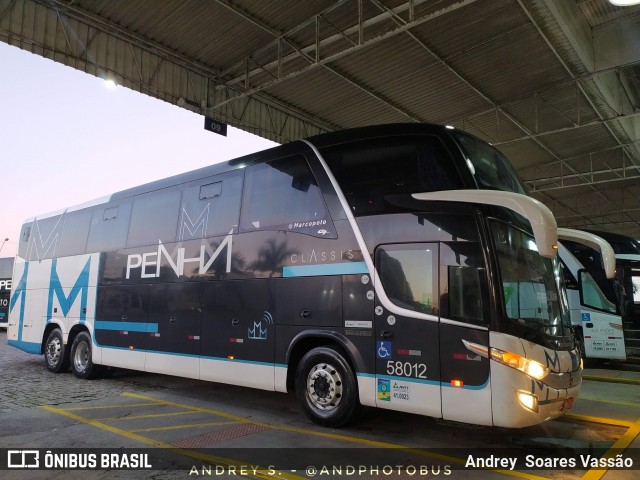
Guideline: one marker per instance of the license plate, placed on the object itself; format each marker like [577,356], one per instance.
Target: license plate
[567,404]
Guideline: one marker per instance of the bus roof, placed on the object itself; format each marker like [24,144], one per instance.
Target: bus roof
[595,242]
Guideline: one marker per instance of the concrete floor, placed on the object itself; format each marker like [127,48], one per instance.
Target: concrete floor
[188,427]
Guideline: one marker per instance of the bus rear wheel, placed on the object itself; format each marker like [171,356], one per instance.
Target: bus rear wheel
[81,363]
[56,356]
[326,388]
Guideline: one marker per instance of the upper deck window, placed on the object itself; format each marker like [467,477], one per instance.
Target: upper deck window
[210,206]
[154,218]
[371,171]
[284,195]
[489,166]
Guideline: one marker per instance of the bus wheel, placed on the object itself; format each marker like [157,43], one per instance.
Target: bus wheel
[56,356]
[326,387]
[81,364]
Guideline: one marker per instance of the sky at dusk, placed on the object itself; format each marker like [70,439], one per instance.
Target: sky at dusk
[66,139]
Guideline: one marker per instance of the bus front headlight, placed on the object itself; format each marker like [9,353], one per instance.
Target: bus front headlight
[529,367]
[528,400]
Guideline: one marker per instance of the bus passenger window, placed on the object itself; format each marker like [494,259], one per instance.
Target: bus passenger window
[74,233]
[591,294]
[408,275]
[154,218]
[210,206]
[463,283]
[284,195]
[44,241]
[465,297]
[108,232]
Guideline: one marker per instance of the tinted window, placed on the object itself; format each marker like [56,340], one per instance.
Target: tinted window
[6,267]
[489,166]
[532,285]
[210,206]
[25,236]
[570,281]
[370,173]
[591,294]
[42,237]
[463,292]
[408,275]
[110,234]
[154,218]
[75,233]
[283,195]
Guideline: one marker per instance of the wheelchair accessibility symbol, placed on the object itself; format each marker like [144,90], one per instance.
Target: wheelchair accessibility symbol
[383,349]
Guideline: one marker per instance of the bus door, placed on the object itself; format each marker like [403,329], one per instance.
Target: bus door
[407,350]
[464,310]
[602,328]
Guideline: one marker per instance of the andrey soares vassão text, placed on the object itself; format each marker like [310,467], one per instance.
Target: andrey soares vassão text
[532,461]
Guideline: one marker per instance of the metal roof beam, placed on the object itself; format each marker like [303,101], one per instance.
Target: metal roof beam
[335,56]
[568,70]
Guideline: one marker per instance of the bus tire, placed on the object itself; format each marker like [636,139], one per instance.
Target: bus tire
[56,355]
[326,388]
[81,363]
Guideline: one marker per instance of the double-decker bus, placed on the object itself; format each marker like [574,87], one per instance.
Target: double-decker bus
[6,271]
[595,295]
[381,266]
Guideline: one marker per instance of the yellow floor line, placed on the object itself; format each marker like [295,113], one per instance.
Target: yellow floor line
[178,427]
[362,441]
[151,415]
[211,459]
[623,442]
[99,407]
[182,406]
[604,421]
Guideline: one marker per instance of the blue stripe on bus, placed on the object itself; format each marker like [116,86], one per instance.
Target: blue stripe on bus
[191,355]
[127,326]
[345,268]
[29,347]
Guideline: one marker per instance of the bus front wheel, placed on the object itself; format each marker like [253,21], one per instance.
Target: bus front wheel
[326,387]
[56,356]
[81,362]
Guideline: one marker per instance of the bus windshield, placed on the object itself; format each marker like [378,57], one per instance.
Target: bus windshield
[530,283]
[489,166]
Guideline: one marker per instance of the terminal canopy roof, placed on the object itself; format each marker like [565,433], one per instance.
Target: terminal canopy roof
[554,84]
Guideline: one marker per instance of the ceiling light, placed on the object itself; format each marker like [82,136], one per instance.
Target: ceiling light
[624,3]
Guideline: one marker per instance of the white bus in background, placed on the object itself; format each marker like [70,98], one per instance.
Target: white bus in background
[6,270]
[627,251]
[589,263]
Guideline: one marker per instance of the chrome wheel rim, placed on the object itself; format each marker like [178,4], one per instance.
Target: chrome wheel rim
[81,357]
[54,349]
[324,387]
